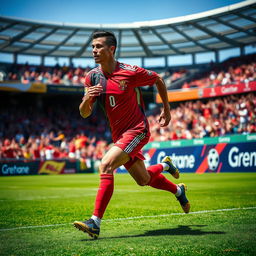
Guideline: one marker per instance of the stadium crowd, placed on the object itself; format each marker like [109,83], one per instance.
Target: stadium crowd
[234,114]
[66,75]
[58,132]
[233,71]
[62,75]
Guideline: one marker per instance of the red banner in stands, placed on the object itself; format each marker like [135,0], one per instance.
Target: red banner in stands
[227,89]
[196,93]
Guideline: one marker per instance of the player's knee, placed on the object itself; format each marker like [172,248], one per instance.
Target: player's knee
[105,168]
[143,182]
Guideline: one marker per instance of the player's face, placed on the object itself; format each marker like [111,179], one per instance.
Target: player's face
[101,51]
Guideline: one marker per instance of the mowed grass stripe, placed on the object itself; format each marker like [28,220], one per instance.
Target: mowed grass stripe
[221,222]
[135,217]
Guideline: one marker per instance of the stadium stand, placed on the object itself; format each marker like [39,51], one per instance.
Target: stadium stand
[67,75]
[44,123]
[47,128]
[25,74]
[57,131]
[214,117]
[233,71]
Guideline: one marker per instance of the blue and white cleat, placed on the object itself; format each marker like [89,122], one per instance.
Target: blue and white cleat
[183,199]
[173,170]
[89,227]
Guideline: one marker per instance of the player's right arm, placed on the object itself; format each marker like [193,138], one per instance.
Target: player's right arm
[86,105]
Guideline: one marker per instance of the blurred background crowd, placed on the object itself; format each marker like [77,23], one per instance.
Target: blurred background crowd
[59,132]
[51,128]
[235,70]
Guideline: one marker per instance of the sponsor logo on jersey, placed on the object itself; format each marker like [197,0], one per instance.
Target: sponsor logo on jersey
[122,85]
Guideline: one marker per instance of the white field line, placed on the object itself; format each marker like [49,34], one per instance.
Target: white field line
[179,213]
[136,217]
[67,196]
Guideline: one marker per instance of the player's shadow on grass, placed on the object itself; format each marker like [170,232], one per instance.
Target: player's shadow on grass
[179,231]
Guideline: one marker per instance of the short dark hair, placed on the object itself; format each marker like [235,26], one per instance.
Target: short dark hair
[111,39]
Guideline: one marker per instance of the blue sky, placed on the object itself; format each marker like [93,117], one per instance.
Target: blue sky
[109,12]
[99,11]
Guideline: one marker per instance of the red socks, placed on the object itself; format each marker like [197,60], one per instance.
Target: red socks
[154,171]
[158,180]
[104,194]
[106,187]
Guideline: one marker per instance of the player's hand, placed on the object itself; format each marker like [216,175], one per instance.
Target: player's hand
[94,91]
[164,118]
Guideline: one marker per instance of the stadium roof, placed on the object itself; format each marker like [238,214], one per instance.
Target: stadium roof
[227,27]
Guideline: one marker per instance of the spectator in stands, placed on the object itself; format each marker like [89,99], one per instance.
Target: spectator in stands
[231,72]
[25,78]
[235,114]
[2,75]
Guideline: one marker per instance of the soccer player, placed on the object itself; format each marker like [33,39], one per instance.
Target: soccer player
[115,86]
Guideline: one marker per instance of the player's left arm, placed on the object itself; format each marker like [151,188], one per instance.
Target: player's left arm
[165,116]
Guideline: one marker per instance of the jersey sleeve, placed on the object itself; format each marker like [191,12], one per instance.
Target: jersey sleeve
[88,80]
[87,84]
[144,77]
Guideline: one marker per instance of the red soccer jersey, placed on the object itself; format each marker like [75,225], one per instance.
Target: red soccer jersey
[121,97]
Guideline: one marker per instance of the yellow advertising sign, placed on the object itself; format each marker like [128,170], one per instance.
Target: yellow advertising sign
[19,87]
[51,167]
[38,87]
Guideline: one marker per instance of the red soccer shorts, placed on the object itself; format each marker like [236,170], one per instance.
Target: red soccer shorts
[132,142]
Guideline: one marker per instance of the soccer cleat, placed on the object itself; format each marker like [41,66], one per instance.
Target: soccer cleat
[89,227]
[173,170]
[183,199]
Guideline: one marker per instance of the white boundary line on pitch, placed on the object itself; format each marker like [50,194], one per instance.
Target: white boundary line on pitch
[179,213]
[136,217]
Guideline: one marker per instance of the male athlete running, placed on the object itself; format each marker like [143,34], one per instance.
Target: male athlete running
[116,86]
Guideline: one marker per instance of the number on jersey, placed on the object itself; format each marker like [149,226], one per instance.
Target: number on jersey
[112,101]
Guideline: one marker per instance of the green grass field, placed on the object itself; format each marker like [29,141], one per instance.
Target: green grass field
[37,214]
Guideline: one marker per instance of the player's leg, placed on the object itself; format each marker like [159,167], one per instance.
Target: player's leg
[142,175]
[139,173]
[132,142]
[150,176]
[153,177]
[114,158]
